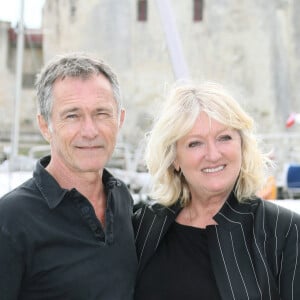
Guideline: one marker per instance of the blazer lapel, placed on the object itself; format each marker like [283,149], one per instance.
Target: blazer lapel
[154,222]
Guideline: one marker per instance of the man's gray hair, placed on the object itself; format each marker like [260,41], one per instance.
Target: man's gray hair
[71,65]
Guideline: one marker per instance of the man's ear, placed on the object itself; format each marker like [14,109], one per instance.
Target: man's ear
[122,118]
[44,127]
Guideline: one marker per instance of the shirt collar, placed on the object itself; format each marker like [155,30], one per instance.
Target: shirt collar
[234,212]
[48,186]
[52,192]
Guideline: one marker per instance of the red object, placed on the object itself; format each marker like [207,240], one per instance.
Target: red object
[291,120]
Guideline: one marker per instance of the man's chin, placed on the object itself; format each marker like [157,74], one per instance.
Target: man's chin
[91,166]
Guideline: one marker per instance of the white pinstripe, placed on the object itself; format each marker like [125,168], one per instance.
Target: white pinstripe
[276,244]
[239,267]
[264,229]
[224,263]
[282,258]
[296,262]
[261,256]
[287,233]
[158,240]
[279,264]
[138,231]
[279,275]
[253,269]
[276,239]
[146,239]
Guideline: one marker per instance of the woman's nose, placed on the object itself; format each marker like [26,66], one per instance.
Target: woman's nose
[212,152]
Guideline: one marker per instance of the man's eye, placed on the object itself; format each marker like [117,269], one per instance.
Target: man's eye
[72,116]
[103,114]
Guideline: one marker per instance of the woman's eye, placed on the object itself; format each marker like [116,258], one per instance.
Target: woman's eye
[194,144]
[224,138]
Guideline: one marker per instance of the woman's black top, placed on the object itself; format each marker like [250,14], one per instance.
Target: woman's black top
[180,268]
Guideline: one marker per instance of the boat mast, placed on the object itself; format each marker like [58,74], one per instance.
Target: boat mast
[178,61]
[19,75]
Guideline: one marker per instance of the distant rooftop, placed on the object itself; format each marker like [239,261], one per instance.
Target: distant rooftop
[33,37]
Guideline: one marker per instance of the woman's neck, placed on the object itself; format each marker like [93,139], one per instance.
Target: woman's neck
[200,212]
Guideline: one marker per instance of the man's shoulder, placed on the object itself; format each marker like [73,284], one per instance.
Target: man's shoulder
[18,199]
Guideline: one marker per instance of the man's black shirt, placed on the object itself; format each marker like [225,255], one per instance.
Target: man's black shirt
[52,246]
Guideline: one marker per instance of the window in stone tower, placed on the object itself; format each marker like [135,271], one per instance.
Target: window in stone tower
[198,10]
[73,9]
[142,10]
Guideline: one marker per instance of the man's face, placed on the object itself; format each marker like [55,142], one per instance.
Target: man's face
[84,123]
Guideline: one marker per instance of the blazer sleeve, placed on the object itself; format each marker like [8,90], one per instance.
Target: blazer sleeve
[289,277]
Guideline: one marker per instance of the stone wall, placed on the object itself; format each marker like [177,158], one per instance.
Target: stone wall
[32,61]
[250,46]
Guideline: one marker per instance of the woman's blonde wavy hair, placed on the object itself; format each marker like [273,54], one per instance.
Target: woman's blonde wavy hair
[178,115]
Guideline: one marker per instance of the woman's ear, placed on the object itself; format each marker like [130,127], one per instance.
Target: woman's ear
[44,128]
[176,165]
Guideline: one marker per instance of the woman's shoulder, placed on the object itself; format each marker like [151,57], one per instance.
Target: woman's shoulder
[276,216]
[272,208]
[147,214]
[150,222]
[154,209]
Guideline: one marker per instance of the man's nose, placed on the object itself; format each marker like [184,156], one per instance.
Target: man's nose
[89,127]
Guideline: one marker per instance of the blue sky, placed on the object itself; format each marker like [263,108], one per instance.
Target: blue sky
[10,11]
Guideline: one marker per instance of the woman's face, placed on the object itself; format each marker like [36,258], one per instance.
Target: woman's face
[209,157]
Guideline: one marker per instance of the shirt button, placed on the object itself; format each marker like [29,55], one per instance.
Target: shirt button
[94,226]
[85,209]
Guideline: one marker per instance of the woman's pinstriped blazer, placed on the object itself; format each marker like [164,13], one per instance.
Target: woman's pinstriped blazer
[254,248]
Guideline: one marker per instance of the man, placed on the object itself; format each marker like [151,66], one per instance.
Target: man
[66,233]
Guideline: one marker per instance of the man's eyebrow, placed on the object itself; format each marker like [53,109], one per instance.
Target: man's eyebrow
[69,110]
[105,109]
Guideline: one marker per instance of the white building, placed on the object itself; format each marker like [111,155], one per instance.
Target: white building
[251,46]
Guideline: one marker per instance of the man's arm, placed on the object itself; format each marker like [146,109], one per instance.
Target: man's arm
[11,266]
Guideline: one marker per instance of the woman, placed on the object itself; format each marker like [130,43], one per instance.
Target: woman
[207,236]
